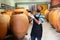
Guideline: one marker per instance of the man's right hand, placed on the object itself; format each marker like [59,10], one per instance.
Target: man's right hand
[30,15]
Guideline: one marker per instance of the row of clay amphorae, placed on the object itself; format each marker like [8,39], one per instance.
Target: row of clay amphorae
[16,20]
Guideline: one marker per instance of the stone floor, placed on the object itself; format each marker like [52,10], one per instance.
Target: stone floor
[49,33]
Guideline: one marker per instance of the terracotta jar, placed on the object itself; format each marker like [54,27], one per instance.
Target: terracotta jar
[46,13]
[54,18]
[4,23]
[19,23]
[9,12]
[55,2]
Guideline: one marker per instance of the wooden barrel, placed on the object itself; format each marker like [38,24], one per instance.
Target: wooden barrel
[4,23]
[54,18]
[19,23]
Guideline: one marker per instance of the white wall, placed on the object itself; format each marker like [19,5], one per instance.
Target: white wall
[24,5]
[27,5]
[2,1]
[12,2]
[32,0]
[8,2]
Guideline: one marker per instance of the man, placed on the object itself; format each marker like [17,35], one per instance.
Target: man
[37,25]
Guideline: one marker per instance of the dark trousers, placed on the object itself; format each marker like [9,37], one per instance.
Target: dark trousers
[34,38]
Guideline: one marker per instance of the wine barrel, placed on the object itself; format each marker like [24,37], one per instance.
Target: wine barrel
[19,23]
[4,23]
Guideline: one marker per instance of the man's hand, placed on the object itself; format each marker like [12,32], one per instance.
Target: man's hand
[30,15]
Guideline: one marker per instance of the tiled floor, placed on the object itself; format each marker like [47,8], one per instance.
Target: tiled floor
[48,32]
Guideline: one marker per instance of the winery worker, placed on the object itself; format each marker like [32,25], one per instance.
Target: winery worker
[38,19]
